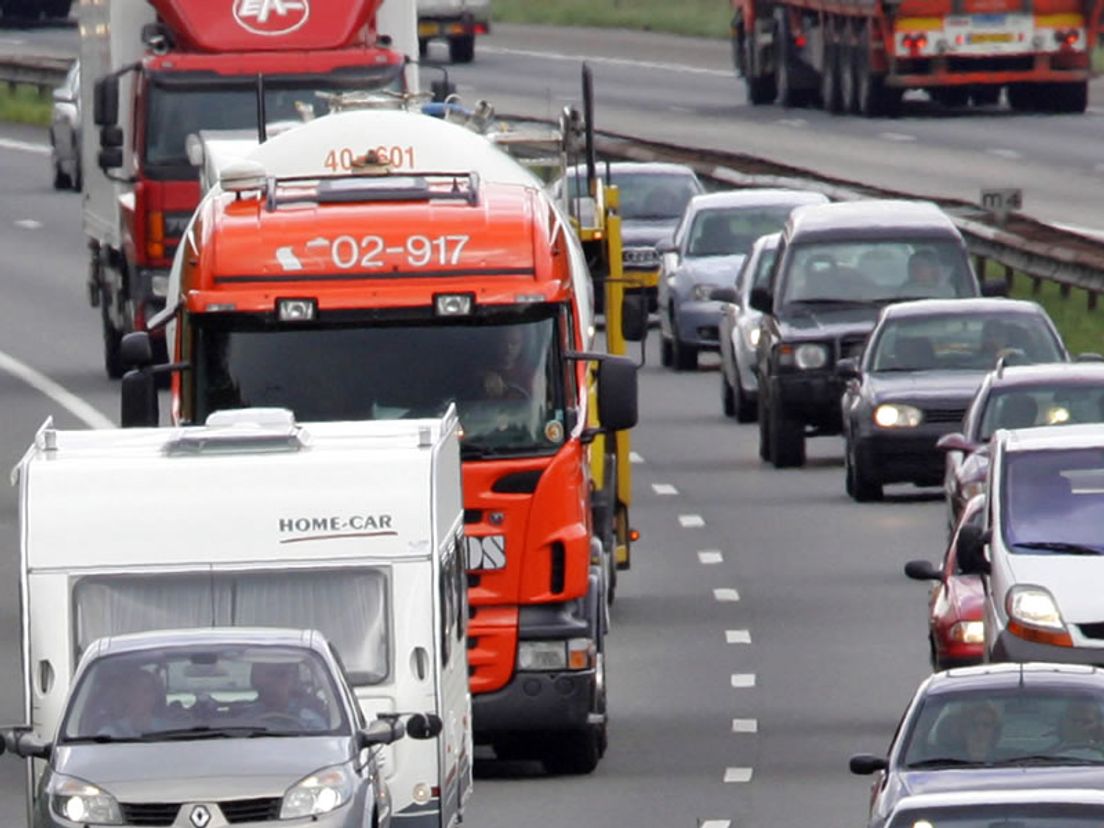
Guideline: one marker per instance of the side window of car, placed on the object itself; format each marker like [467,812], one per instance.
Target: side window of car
[776,267]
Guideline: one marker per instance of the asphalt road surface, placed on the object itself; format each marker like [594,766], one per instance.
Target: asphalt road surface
[764,633]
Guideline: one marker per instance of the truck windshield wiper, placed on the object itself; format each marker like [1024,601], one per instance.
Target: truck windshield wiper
[208,732]
[944,762]
[1062,547]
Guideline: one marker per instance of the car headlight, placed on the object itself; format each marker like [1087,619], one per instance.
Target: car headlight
[752,336]
[968,632]
[82,802]
[702,293]
[810,356]
[321,792]
[895,415]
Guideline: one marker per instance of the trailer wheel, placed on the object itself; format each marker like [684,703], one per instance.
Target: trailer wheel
[761,89]
[1071,97]
[112,338]
[831,95]
[873,97]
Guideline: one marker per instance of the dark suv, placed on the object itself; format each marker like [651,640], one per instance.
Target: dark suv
[837,266]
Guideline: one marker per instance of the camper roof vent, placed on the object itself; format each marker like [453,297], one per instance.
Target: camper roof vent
[243,430]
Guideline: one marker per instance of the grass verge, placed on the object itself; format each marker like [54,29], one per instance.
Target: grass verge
[703,18]
[24,105]
[1080,327]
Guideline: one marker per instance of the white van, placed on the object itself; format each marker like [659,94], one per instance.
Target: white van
[351,528]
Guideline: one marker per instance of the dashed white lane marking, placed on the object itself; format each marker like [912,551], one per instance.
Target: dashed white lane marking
[24,146]
[710,556]
[635,458]
[28,224]
[682,110]
[737,775]
[745,725]
[44,385]
[902,137]
[691,521]
[797,123]
[726,594]
[714,823]
[664,489]
[743,679]
[737,636]
[1000,152]
[607,61]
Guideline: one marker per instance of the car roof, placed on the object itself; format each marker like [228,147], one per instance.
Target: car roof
[1023,794]
[1003,676]
[1042,438]
[1058,373]
[966,307]
[755,198]
[204,636]
[869,219]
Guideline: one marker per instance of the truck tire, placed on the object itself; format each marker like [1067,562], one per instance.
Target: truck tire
[1071,97]
[831,95]
[952,97]
[872,97]
[1024,97]
[462,49]
[746,410]
[985,95]
[112,338]
[578,752]
[787,95]
[787,440]
[423,48]
[761,89]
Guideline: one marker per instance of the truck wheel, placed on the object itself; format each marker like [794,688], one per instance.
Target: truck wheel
[952,97]
[787,95]
[112,337]
[849,98]
[462,49]
[859,485]
[1024,97]
[787,440]
[62,181]
[831,95]
[1071,97]
[761,89]
[985,95]
[873,97]
[578,752]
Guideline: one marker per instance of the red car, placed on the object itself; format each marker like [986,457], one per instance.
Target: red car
[956,605]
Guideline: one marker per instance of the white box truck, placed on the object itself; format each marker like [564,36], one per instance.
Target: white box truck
[351,528]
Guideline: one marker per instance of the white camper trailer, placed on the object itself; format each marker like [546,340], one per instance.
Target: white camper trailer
[351,528]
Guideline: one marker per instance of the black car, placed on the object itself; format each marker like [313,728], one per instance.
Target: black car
[1017,396]
[923,366]
[998,727]
[837,266]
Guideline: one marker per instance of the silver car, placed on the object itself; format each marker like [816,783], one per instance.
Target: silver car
[65,133]
[210,727]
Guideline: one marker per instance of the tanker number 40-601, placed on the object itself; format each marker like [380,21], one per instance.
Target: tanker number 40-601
[349,252]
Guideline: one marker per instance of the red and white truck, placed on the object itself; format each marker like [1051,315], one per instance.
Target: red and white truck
[160,71]
[863,55]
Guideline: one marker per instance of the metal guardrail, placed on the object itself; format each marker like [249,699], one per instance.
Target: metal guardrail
[43,73]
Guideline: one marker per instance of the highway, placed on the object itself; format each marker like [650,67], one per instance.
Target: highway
[765,631]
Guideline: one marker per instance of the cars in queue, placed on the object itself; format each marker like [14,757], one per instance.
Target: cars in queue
[1017,396]
[993,729]
[838,266]
[212,726]
[709,246]
[1026,808]
[1040,550]
[956,602]
[923,365]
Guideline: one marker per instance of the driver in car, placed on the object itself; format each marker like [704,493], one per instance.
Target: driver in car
[511,376]
[280,697]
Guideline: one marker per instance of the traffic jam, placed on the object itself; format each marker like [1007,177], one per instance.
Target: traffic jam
[390,347]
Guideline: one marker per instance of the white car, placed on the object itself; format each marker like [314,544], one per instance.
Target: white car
[65,132]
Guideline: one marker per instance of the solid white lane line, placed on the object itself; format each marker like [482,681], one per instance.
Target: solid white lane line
[726,594]
[743,680]
[44,385]
[714,823]
[635,458]
[737,636]
[710,556]
[797,123]
[691,521]
[745,725]
[737,775]
[24,146]
[664,489]
[607,61]
[28,224]
[902,137]
[1000,152]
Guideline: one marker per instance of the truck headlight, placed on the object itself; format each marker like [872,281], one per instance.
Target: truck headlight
[321,792]
[552,656]
[895,415]
[810,356]
[1033,615]
[82,802]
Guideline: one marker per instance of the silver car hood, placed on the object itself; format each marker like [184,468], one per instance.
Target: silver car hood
[202,770]
[1073,580]
[717,270]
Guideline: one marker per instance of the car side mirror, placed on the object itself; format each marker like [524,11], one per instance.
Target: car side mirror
[725,294]
[62,96]
[380,732]
[424,726]
[848,368]
[955,441]
[617,393]
[923,571]
[105,101]
[761,300]
[863,764]
[634,317]
[994,287]
[22,742]
[666,246]
[970,549]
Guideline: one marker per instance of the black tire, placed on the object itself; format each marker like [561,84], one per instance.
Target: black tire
[985,95]
[761,89]
[578,752]
[728,395]
[764,432]
[57,9]
[62,181]
[423,48]
[1024,97]
[666,352]
[1071,97]
[747,410]
[787,95]
[462,49]
[685,357]
[78,178]
[787,440]
[849,98]
[831,94]
[952,97]
[859,485]
[112,337]
[873,98]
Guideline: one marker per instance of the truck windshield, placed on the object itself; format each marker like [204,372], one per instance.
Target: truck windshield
[223,690]
[1052,502]
[505,376]
[181,106]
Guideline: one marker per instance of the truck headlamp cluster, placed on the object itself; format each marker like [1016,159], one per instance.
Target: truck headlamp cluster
[296,310]
[453,304]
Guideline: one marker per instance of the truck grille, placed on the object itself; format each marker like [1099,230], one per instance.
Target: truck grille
[149,813]
[251,810]
[944,415]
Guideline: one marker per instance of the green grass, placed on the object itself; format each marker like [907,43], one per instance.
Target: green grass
[704,18]
[1081,328]
[24,105]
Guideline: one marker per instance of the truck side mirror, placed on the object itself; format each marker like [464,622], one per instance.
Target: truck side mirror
[424,726]
[380,732]
[617,394]
[970,549]
[105,101]
[761,300]
[634,317]
[140,405]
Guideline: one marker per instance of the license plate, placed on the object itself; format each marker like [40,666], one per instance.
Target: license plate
[487,552]
[991,37]
[427,30]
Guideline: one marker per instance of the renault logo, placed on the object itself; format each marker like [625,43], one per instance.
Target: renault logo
[200,816]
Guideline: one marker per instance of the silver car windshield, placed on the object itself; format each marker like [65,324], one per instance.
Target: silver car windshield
[1052,502]
[217,690]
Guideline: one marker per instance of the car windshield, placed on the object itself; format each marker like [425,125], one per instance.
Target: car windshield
[505,376]
[877,272]
[1039,406]
[211,691]
[645,196]
[732,231]
[1020,815]
[1052,502]
[961,342]
[1004,727]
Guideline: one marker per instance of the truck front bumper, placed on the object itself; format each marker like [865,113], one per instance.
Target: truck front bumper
[535,702]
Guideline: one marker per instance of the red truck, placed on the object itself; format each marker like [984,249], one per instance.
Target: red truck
[166,69]
[863,55]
